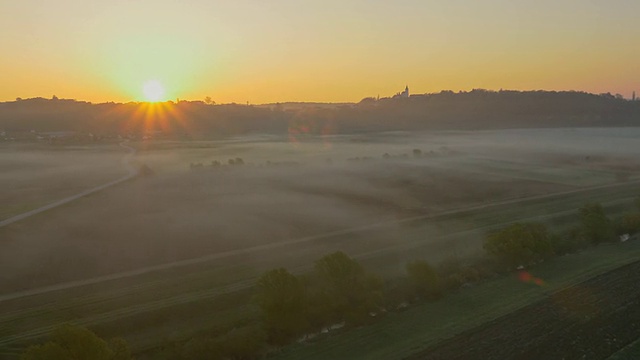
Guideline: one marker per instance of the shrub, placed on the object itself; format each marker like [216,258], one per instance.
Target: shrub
[76,342]
[596,226]
[628,224]
[519,244]
[424,280]
[569,241]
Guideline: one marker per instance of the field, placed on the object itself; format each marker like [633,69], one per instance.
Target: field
[38,174]
[171,255]
[591,320]
[502,303]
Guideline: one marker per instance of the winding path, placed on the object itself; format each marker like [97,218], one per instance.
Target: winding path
[131,172]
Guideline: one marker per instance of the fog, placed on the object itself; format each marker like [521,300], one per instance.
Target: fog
[33,175]
[289,190]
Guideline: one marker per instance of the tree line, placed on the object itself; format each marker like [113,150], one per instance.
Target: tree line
[476,109]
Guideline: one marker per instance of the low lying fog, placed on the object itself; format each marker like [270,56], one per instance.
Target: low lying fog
[311,187]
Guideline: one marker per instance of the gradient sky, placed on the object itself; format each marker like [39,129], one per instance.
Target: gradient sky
[314,50]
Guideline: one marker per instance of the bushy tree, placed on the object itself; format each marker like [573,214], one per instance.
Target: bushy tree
[282,298]
[351,292]
[596,226]
[70,342]
[319,312]
[519,244]
[424,279]
[569,241]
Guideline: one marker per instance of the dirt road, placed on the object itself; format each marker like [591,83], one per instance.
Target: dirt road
[131,172]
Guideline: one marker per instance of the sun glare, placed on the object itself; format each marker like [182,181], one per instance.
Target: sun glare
[153,91]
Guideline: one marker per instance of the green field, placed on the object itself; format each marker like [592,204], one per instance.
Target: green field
[401,334]
[630,352]
[205,297]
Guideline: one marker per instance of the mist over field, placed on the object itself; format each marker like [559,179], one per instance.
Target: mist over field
[286,190]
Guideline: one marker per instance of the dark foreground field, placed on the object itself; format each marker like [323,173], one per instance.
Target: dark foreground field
[592,320]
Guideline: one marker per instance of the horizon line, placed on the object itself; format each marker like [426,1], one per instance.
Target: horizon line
[179,100]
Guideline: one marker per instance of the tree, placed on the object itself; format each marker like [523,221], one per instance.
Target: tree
[596,226]
[282,299]
[70,342]
[569,241]
[519,244]
[319,312]
[208,101]
[352,293]
[424,279]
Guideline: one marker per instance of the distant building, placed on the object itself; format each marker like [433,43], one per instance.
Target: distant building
[404,94]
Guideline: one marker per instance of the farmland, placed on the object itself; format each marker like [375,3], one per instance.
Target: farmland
[38,174]
[171,255]
[501,303]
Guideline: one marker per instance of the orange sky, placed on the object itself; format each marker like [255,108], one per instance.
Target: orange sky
[330,51]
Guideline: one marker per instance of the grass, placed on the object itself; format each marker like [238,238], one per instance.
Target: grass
[139,308]
[629,352]
[401,334]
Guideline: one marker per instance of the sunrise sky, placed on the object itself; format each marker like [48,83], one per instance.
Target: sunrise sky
[313,50]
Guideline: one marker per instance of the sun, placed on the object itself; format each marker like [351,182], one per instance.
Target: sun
[153,91]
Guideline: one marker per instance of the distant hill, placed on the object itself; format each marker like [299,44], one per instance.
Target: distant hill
[477,109]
